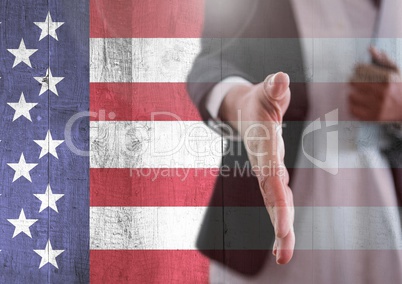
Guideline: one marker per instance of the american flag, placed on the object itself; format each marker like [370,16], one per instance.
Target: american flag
[110,216]
[94,184]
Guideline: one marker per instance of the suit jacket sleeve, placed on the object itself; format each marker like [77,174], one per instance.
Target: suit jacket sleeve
[242,38]
[211,66]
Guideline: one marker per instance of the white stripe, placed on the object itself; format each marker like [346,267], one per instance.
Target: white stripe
[191,144]
[354,228]
[142,59]
[318,228]
[154,144]
[145,227]
[321,67]
[170,59]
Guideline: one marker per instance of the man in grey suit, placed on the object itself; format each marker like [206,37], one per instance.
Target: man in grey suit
[253,51]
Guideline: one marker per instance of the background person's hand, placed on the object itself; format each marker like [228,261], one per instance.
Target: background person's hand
[376,93]
[261,109]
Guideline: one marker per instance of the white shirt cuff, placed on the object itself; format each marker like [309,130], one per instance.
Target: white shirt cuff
[218,93]
[213,103]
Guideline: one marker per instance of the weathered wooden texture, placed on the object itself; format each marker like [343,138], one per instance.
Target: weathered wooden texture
[141,52]
[68,57]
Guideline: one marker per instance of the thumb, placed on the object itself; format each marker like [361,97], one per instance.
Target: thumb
[276,89]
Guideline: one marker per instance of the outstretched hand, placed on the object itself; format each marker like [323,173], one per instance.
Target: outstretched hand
[262,107]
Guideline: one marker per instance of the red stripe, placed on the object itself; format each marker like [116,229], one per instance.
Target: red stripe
[146,18]
[134,187]
[178,266]
[318,266]
[148,266]
[184,19]
[138,101]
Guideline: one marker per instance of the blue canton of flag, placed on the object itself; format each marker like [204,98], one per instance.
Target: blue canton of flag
[44,182]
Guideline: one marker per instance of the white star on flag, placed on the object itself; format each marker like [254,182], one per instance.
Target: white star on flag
[48,27]
[22,108]
[49,82]
[48,199]
[48,145]
[22,168]
[48,255]
[22,224]
[22,54]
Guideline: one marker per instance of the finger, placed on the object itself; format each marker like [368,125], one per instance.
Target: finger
[285,248]
[371,73]
[277,85]
[280,146]
[279,201]
[283,218]
[275,248]
[361,99]
[381,59]
[286,177]
[361,113]
[369,87]
[276,89]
